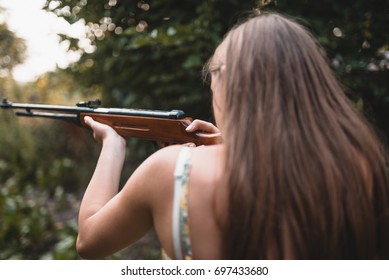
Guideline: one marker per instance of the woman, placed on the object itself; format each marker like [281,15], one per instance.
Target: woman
[300,174]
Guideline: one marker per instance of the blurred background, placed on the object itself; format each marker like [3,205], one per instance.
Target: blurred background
[138,54]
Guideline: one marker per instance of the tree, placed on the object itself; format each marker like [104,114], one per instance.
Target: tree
[38,166]
[355,36]
[150,53]
[12,51]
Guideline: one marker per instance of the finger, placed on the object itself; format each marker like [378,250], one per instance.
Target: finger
[196,125]
[88,121]
[201,125]
[190,127]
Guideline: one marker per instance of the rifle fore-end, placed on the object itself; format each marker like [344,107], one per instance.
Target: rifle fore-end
[170,131]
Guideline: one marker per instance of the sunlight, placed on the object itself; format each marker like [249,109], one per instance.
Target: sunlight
[40,31]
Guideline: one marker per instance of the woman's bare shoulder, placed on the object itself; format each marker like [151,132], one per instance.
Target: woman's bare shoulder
[168,156]
[208,159]
[156,174]
[158,169]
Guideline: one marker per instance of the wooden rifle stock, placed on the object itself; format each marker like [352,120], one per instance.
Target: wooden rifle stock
[154,129]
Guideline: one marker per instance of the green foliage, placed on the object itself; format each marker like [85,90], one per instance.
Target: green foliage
[355,37]
[28,229]
[24,225]
[44,167]
[37,215]
[151,55]
[31,225]
[12,50]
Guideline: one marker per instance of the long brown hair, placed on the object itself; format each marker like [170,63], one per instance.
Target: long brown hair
[306,174]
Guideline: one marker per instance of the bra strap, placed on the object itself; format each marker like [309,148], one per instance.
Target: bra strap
[181,174]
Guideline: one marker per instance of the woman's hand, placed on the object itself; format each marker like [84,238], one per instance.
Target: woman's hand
[202,126]
[102,132]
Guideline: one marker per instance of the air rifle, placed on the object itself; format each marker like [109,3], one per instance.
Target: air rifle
[162,126]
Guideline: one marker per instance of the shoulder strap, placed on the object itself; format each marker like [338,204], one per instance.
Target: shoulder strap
[180,204]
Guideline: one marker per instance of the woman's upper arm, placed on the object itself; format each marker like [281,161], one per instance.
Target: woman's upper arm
[129,214]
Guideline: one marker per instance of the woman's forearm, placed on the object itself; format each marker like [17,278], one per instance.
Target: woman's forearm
[105,181]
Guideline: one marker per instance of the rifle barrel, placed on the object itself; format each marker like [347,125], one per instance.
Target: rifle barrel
[173,114]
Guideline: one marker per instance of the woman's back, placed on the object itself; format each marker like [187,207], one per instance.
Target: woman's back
[205,191]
